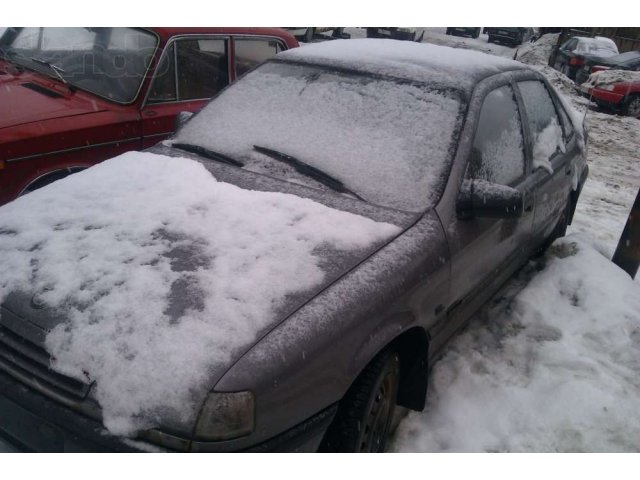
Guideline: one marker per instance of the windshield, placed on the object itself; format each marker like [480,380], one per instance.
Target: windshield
[596,46]
[389,141]
[110,62]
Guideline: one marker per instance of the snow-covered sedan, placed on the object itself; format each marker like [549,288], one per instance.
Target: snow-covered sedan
[280,274]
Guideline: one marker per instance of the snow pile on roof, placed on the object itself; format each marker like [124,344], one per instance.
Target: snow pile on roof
[538,52]
[557,369]
[161,272]
[611,77]
[412,60]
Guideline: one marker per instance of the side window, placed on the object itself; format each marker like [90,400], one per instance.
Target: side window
[250,52]
[497,154]
[544,124]
[163,88]
[202,66]
[571,45]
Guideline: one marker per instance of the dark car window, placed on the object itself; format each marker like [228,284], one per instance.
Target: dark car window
[163,88]
[544,124]
[570,45]
[249,52]
[497,154]
[203,67]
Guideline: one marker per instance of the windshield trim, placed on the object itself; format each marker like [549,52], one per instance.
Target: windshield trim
[135,98]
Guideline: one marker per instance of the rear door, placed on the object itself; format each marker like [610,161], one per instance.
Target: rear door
[551,150]
[192,70]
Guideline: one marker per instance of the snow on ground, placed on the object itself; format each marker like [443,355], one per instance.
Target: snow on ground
[553,367]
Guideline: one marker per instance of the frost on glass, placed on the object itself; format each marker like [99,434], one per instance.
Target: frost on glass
[543,123]
[389,141]
[497,155]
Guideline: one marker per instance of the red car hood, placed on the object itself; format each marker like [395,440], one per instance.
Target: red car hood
[27,97]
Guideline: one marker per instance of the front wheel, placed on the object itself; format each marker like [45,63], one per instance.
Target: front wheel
[632,106]
[363,421]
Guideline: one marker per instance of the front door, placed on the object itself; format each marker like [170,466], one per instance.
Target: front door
[190,72]
[486,251]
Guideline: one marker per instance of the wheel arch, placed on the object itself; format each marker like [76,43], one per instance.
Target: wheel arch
[413,348]
[49,177]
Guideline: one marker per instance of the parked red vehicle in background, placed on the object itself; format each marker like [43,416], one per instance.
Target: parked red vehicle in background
[72,97]
[617,90]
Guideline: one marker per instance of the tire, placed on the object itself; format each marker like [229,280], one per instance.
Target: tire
[363,420]
[632,106]
[372,32]
[448,32]
[48,179]
[476,33]
[490,39]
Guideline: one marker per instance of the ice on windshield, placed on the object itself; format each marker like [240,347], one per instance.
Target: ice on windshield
[389,141]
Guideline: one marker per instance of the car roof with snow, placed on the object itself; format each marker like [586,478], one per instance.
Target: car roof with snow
[406,60]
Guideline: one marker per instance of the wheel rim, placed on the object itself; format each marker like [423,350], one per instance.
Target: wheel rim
[634,107]
[378,420]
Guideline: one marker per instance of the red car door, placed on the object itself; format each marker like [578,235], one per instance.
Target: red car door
[192,70]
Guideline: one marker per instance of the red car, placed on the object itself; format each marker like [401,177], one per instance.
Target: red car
[617,90]
[72,97]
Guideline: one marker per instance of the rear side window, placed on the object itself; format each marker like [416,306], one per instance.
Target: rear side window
[250,52]
[203,68]
[570,44]
[497,154]
[544,124]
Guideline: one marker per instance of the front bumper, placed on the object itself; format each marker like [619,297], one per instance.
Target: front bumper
[32,422]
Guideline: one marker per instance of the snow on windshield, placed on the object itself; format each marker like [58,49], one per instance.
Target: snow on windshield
[161,272]
[390,142]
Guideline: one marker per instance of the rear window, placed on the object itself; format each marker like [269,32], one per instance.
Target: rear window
[388,140]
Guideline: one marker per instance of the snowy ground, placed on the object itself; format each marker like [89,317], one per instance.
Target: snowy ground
[553,362]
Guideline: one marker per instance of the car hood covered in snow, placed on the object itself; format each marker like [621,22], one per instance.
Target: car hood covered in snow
[149,277]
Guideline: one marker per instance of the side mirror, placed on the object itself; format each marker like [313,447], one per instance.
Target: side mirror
[479,198]
[181,119]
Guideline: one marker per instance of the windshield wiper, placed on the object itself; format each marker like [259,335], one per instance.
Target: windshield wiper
[308,170]
[205,152]
[54,68]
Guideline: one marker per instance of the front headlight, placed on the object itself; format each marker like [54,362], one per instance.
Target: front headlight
[226,415]
[608,87]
